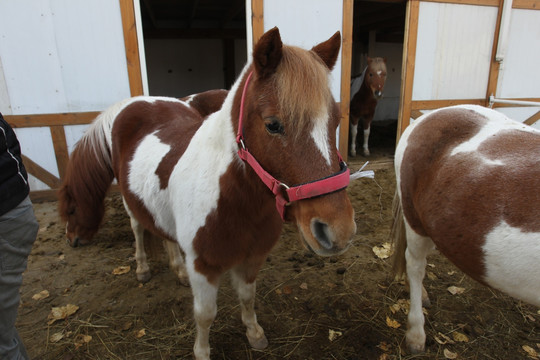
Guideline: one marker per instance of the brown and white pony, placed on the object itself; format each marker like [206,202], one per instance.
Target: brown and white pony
[468,183]
[364,101]
[210,183]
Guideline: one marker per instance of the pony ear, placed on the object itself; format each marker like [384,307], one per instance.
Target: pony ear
[267,53]
[328,51]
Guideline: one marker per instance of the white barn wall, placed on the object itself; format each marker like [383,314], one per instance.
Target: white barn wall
[452,61]
[519,76]
[59,56]
[306,23]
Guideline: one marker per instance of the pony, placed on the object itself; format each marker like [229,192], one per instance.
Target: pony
[210,183]
[364,101]
[467,183]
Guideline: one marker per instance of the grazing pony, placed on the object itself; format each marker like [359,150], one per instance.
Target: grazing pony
[468,183]
[211,183]
[364,102]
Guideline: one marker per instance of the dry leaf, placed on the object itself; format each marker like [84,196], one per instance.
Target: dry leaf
[334,334]
[431,265]
[392,323]
[454,290]
[451,272]
[384,251]
[432,276]
[401,304]
[443,339]
[62,257]
[460,337]
[127,326]
[287,290]
[303,286]
[530,351]
[384,357]
[56,337]
[121,270]
[80,340]
[41,295]
[140,333]
[449,355]
[278,291]
[62,312]
[384,346]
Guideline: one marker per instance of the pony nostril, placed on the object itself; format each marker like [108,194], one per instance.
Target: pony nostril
[322,233]
[74,243]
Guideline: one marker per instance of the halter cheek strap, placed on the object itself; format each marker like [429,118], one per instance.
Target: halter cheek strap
[285,194]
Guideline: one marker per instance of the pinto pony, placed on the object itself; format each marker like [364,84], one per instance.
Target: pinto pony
[210,183]
[468,181]
[364,101]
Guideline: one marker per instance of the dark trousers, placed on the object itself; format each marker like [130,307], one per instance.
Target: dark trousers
[18,230]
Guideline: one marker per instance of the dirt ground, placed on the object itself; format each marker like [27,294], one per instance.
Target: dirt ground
[346,307]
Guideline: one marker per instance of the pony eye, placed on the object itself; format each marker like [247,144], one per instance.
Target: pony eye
[273,126]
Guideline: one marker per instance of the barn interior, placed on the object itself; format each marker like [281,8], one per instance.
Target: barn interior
[195,45]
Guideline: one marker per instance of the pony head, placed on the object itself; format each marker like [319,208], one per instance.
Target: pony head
[376,75]
[290,109]
[81,223]
[81,196]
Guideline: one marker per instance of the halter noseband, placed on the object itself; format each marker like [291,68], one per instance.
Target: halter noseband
[332,183]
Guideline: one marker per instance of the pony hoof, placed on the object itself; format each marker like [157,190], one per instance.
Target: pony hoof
[353,153]
[144,277]
[258,344]
[366,152]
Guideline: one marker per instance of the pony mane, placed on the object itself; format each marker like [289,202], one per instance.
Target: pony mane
[303,86]
[377,63]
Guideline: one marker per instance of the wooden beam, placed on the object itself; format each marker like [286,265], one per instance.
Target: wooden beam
[40,173]
[257,19]
[346,60]
[132,47]
[60,148]
[468,2]
[436,104]
[526,4]
[408,62]
[38,120]
[533,119]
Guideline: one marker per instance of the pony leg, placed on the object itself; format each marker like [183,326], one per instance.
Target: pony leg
[143,270]
[354,132]
[204,310]
[366,138]
[176,261]
[246,295]
[418,247]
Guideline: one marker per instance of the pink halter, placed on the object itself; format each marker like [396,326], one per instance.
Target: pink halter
[332,183]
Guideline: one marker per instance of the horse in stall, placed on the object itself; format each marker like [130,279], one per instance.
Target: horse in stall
[364,101]
[467,183]
[211,183]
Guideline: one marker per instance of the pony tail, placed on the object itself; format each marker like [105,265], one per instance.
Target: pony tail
[398,238]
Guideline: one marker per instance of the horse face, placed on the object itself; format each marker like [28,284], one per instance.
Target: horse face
[77,230]
[293,117]
[376,76]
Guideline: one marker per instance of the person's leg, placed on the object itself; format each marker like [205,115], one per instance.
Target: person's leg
[18,230]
